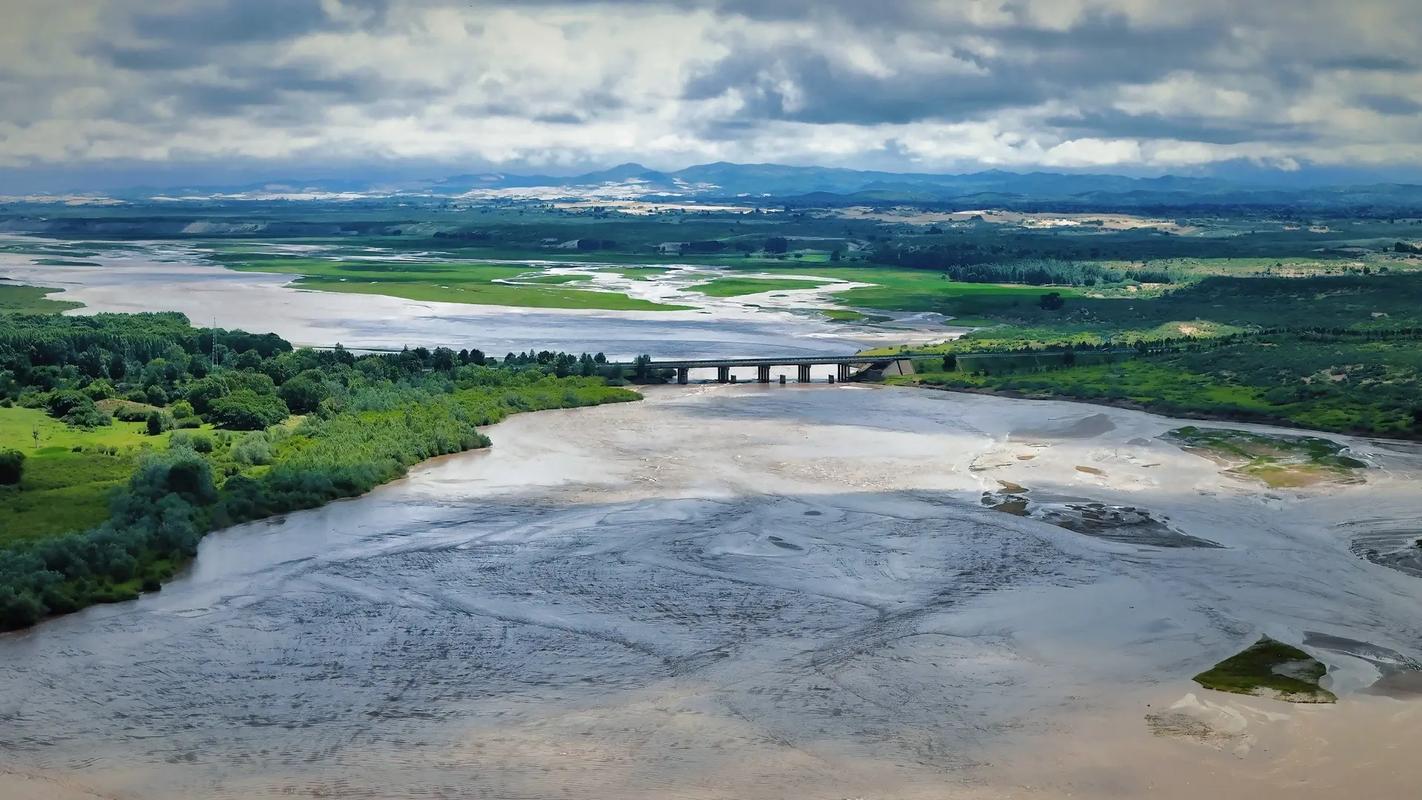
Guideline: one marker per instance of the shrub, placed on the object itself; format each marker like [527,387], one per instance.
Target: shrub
[12,466]
[63,401]
[245,410]
[99,389]
[197,442]
[254,449]
[304,393]
[88,416]
[133,412]
[158,422]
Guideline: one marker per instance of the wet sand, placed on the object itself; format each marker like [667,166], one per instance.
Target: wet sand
[747,592]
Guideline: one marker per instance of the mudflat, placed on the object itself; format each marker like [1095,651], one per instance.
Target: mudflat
[753,592]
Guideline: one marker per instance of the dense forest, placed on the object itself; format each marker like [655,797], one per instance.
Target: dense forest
[240,426]
[979,266]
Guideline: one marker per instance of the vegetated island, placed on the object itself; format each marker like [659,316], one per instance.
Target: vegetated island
[1269,668]
[127,437]
[443,281]
[1280,461]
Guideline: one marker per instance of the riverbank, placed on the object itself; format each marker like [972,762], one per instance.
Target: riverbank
[134,436]
[1358,382]
[1134,405]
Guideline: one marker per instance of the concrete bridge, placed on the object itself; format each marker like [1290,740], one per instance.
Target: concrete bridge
[847,367]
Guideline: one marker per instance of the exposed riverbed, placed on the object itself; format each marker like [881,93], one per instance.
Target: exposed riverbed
[751,592]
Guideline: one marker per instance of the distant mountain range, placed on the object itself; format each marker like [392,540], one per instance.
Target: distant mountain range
[799,185]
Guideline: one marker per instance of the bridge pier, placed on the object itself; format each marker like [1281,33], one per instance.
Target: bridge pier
[843,370]
[683,375]
[782,379]
[762,374]
[804,373]
[723,374]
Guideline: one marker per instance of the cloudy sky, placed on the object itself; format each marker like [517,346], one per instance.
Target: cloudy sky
[99,92]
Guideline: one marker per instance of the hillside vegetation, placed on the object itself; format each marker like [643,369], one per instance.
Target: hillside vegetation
[127,437]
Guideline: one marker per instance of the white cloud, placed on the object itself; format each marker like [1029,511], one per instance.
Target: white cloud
[1077,84]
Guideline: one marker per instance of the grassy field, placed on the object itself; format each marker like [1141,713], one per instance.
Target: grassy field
[896,289]
[16,299]
[63,490]
[737,286]
[444,282]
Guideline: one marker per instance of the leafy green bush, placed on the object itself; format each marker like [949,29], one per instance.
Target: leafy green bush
[12,467]
[245,410]
[158,422]
[303,394]
[197,442]
[254,449]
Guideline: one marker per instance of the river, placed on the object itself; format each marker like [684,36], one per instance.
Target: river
[749,592]
[176,276]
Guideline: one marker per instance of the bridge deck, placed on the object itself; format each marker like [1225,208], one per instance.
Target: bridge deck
[783,361]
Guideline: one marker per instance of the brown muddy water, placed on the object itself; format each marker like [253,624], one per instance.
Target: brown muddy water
[750,592]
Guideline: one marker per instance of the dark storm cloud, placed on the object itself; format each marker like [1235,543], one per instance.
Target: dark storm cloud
[218,22]
[191,35]
[1180,127]
[807,86]
[1027,65]
[1390,104]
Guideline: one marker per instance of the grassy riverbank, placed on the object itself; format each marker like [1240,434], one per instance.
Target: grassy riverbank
[1345,386]
[734,287]
[128,437]
[442,281]
[17,299]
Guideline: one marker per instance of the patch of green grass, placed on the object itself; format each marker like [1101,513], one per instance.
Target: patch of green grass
[1279,461]
[734,287]
[843,315]
[638,273]
[444,282]
[62,490]
[1270,668]
[494,294]
[554,279]
[896,289]
[16,299]
[65,262]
